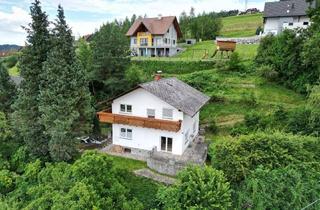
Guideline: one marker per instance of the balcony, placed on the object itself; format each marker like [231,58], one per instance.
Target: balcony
[107,117]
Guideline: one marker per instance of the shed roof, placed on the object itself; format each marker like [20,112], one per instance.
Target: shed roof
[178,94]
[286,8]
[156,26]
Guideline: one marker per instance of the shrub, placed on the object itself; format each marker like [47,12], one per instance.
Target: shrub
[292,187]
[197,188]
[212,127]
[240,156]
[234,64]
[249,98]
[299,121]
[11,61]
[267,72]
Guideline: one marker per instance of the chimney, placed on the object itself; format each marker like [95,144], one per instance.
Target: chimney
[159,17]
[157,76]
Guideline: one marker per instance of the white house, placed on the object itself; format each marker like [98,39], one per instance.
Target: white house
[285,14]
[161,115]
[152,37]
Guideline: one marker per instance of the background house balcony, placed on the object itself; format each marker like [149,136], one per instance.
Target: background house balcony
[108,117]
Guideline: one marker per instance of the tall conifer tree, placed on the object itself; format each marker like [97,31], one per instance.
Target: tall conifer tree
[65,97]
[33,56]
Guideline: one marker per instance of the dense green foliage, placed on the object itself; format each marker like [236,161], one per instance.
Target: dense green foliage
[110,49]
[27,113]
[197,188]
[238,158]
[176,67]
[293,55]
[64,98]
[7,90]
[204,26]
[292,187]
[91,182]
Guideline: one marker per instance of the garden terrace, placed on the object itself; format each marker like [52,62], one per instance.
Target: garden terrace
[108,117]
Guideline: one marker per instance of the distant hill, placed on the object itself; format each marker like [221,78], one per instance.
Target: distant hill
[9,47]
[242,25]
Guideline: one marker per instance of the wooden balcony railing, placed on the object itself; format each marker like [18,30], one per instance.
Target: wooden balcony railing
[107,117]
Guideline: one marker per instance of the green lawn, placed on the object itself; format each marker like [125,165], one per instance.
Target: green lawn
[14,71]
[241,26]
[128,164]
[197,51]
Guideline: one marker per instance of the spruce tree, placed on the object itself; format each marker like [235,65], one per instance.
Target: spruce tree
[65,97]
[27,115]
[111,59]
[7,91]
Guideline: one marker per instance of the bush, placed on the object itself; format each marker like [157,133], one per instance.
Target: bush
[197,188]
[237,158]
[267,72]
[299,121]
[173,67]
[234,64]
[249,98]
[11,61]
[292,187]
[212,127]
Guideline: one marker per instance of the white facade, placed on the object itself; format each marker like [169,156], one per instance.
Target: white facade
[275,25]
[140,102]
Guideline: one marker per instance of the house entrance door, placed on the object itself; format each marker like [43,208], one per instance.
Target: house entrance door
[166,144]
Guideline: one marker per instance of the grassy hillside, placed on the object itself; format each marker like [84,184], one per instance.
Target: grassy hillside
[234,95]
[197,51]
[241,26]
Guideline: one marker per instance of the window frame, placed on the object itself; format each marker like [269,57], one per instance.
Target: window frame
[167,117]
[125,110]
[151,116]
[125,131]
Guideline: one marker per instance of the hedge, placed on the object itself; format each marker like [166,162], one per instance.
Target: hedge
[173,67]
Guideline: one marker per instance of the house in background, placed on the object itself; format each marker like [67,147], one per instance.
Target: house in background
[285,14]
[161,115]
[154,36]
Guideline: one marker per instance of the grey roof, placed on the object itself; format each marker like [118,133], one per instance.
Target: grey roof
[178,94]
[286,8]
[16,79]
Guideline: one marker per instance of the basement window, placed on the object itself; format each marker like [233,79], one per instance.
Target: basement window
[305,23]
[290,24]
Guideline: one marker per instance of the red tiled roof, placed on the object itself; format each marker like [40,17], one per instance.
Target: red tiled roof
[155,26]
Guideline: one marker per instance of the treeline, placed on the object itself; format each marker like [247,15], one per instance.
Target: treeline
[205,26]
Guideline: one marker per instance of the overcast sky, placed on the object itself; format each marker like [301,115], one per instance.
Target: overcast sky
[85,16]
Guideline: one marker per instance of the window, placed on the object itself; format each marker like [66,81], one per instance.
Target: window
[305,23]
[125,108]
[174,42]
[126,133]
[290,24]
[194,127]
[166,144]
[151,113]
[165,40]
[167,113]
[186,137]
[134,41]
[143,41]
